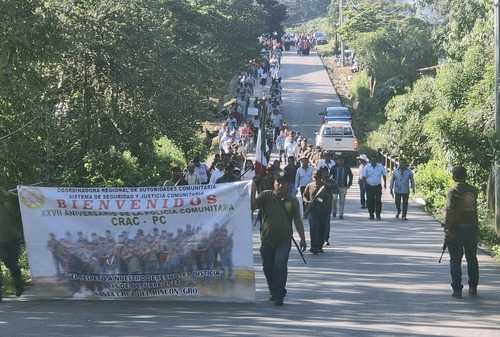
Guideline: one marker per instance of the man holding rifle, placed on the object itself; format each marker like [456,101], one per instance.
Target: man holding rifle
[318,200]
[462,232]
[278,210]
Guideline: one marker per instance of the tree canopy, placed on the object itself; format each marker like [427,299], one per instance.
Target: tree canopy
[90,88]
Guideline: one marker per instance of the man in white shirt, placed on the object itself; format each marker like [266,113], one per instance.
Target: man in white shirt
[291,146]
[277,123]
[372,175]
[363,161]
[191,177]
[326,161]
[303,176]
[217,172]
[201,169]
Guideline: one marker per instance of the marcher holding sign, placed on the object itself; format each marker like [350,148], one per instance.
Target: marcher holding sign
[278,210]
[158,242]
[10,239]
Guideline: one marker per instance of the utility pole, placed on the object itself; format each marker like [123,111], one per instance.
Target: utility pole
[497,119]
[341,23]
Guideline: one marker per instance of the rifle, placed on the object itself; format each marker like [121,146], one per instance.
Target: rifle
[306,212]
[445,245]
[300,250]
[248,169]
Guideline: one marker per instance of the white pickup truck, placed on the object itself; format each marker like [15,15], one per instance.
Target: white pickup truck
[337,137]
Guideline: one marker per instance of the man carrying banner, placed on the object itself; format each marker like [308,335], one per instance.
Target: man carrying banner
[10,238]
[278,210]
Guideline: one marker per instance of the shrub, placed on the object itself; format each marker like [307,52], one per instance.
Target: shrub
[367,111]
[167,155]
[433,182]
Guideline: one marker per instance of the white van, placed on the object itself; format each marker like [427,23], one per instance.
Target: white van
[338,137]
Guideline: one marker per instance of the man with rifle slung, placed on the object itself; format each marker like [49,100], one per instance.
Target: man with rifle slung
[318,200]
[462,232]
[278,210]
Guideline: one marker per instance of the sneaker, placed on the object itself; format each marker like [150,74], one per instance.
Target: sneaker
[457,294]
[405,218]
[397,215]
[341,217]
[372,217]
[473,292]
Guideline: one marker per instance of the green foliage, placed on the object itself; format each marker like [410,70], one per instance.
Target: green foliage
[367,112]
[274,14]
[8,283]
[402,134]
[86,83]
[303,10]
[321,24]
[433,181]
[461,126]
[397,49]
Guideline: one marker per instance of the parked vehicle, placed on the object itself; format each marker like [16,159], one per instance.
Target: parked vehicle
[336,113]
[320,38]
[338,137]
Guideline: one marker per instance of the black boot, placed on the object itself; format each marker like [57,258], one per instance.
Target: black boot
[457,294]
[473,291]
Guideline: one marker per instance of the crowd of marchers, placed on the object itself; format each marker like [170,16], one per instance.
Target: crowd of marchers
[302,171]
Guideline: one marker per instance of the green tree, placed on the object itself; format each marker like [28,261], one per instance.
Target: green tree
[93,85]
[275,14]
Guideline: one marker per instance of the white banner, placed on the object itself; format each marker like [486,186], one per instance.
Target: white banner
[154,242]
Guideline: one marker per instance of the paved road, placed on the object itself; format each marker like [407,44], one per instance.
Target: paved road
[307,91]
[377,278]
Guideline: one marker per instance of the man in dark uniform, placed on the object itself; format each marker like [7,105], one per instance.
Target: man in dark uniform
[290,171]
[462,232]
[278,210]
[231,175]
[10,238]
[318,200]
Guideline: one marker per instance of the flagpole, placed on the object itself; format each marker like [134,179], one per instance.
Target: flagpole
[261,139]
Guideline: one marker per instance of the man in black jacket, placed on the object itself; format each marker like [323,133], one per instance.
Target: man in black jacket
[290,171]
[10,238]
[342,175]
[462,232]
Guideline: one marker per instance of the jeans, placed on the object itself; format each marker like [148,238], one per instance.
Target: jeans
[340,197]
[9,254]
[318,221]
[465,241]
[362,192]
[398,197]
[374,199]
[275,263]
